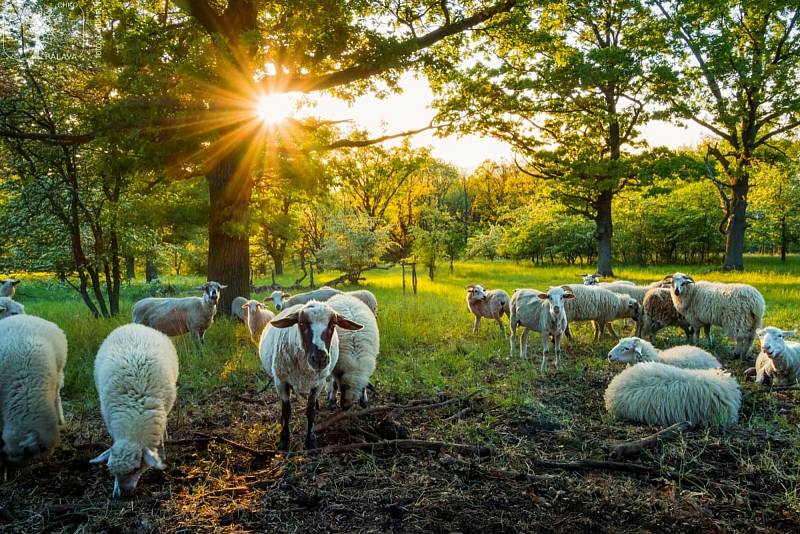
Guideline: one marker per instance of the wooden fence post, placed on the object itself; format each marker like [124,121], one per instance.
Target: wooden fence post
[403,265]
[414,277]
[312,277]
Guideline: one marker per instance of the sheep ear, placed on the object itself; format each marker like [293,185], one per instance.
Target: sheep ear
[14,281]
[542,296]
[470,287]
[760,332]
[569,295]
[152,459]
[789,333]
[104,456]
[244,306]
[222,286]
[637,346]
[285,322]
[689,279]
[346,324]
[201,288]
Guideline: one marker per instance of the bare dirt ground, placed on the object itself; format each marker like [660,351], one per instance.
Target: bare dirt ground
[699,482]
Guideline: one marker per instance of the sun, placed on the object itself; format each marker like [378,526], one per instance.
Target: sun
[276,108]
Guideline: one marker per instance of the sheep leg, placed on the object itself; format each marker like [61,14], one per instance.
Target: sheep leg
[513,336]
[611,329]
[545,346]
[743,345]
[523,344]
[502,326]
[311,415]
[688,331]
[707,330]
[557,348]
[476,325]
[695,333]
[333,385]
[568,332]
[286,417]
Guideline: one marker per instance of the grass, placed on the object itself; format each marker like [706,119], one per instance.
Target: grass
[427,348]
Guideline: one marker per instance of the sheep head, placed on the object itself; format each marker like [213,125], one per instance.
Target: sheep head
[211,292]
[680,283]
[628,350]
[555,298]
[127,461]
[773,343]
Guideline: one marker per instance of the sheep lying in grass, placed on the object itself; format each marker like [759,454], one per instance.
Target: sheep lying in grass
[779,359]
[594,280]
[8,287]
[176,316]
[599,305]
[491,304]
[633,350]
[257,317]
[659,394]
[238,307]
[358,352]
[542,312]
[135,372]
[658,311]
[9,307]
[300,350]
[738,308]
[33,353]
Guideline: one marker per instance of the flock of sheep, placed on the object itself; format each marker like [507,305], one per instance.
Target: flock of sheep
[684,383]
[329,340]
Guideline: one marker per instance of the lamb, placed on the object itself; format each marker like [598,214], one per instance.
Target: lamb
[779,359]
[238,307]
[257,316]
[9,307]
[135,372]
[599,305]
[491,304]
[632,350]
[176,316]
[33,353]
[658,311]
[358,352]
[8,287]
[658,394]
[543,312]
[738,308]
[302,358]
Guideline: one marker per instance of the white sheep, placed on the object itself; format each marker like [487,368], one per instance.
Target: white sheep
[542,312]
[367,297]
[738,308]
[33,353]
[594,280]
[633,350]
[238,307]
[8,287]
[779,359]
[658,311]
[256,316]
[599,305]
[176,316]
[658,394]
[490,304]
[135,372]
[358,352]
[9,307]
[299,351]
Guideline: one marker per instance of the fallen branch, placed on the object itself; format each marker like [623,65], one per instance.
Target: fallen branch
[629,448]
[589,465]
[460,414]
[208,438]
[481,450]
[495,472]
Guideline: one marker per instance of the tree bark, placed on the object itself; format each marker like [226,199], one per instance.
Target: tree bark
[150,268]
[130,268]
[277,260]
[603,233]
[784,239]
[737,223]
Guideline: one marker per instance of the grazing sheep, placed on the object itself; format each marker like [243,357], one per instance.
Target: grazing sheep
[367,297]
[135,372]
[9,307]
[738,308]
[543,312]
[238,307]
[256,316]
[491,304]
[33,353]
[599,305]
[176,316]
[779,359]
[658,311]
[8,287]
[659,394]
[302,358]
[632,350]
[358,352]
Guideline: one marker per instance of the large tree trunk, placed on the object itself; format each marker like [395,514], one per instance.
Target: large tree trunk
[277,260]
[229,187]
[150,268]
[603,233]
[737,224]
[784,239]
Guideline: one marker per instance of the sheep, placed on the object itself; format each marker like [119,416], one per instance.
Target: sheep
[358,352]
[238,307]
[599,305]
[278,298]
[658,311]
[491,304]
[33,353]
[655,393]
[257,316]
[176,316]
[543,312]
[135,373]
[779,359]
[738,308]
[302,358]
[594,280]
[632,350]
[367,297]
[9,307]
[8,287]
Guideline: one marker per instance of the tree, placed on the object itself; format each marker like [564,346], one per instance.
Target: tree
[354,244]
[739,66]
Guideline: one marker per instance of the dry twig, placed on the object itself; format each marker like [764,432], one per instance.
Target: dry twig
[628,448]
[463,448]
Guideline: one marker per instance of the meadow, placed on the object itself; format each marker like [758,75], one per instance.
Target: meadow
[541,428]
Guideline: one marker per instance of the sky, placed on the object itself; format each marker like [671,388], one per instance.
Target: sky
[411,110]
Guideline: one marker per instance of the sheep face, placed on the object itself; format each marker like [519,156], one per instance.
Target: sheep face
[278,298]
[9,307]
[317,324]
[681,283]
[628,350]
[476,293]
[773,343]
[633,306]
[8,287]
[211,292]
[555,297]
[590,279]
[127,461]
[252,306]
